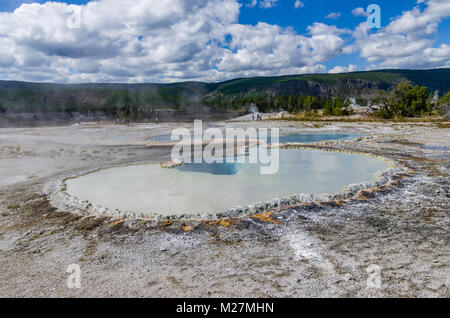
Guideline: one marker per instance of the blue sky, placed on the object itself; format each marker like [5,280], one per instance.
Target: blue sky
[177,40]
[285,14]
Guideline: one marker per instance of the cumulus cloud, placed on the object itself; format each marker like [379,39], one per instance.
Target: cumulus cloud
[252,4]
[408,40]
[264,4]
[267,3]
[334,15]
[273,50]
[298,4]
[154,41]
[343,69]
[179,40]
[360,12]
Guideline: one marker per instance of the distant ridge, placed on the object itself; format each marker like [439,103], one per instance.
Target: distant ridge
[17,96]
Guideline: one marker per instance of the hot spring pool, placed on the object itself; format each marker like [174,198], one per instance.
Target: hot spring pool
[204,188]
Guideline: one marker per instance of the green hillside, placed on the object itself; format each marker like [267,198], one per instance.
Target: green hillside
[358,84]
[113,99]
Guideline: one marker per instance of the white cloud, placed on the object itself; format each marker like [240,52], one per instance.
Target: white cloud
[408,40]
[343,69]
[264,4]
[177,40]
[360,12]
[252,4]
[321,28]
[270,48]
[298,4]
[155,41]
[333,15]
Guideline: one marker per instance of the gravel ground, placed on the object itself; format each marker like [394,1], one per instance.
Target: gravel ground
[385,243]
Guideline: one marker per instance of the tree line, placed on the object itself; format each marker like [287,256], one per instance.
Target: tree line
[404,100]
[338,106]
[408,100]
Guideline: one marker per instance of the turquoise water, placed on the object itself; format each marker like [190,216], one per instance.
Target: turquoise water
[202,188]
[218,169]
[166,138]
[309,138]
[233,168]
[301,138]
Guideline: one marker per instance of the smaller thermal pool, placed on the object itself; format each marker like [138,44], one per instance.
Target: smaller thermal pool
[300,138]
[310,138]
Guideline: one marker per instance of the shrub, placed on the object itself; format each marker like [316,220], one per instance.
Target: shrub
[405,100]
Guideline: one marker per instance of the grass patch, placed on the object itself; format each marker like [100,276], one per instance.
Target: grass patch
[441,122]
[13,206]
[406,142]
[443,125]
[4,214]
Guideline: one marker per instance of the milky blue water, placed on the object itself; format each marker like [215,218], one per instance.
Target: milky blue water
[233,168]
[165,138]
[301,138]
[203,188]
[219,169]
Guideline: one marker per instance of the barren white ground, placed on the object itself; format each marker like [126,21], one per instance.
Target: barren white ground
[312,251]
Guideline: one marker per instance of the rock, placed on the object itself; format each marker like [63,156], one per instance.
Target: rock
[187,228]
